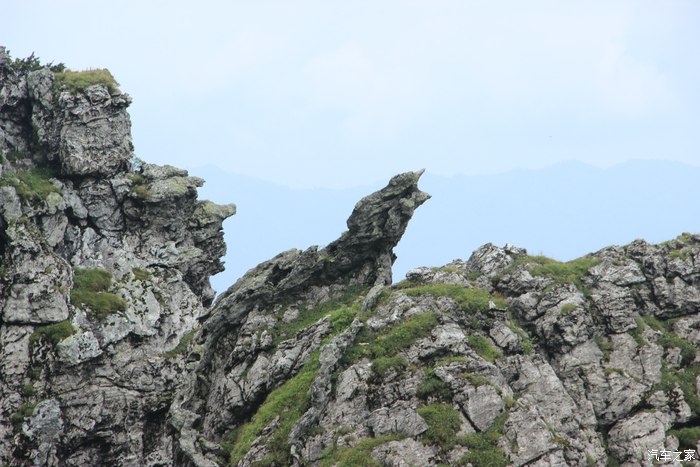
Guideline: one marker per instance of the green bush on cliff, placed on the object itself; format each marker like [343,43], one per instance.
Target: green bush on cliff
[570,272]
[389,341]
[53,333]
[90,293]
[31,185]
[433,386]
[359,454]
[483,347]
[382,365]
[77,81]
[443,424]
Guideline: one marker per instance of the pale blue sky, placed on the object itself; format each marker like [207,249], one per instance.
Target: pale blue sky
[324,93]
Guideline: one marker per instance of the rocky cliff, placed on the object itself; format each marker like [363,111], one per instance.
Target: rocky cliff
[112,350]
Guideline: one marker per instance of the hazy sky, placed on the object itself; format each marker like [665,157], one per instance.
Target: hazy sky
[327,93]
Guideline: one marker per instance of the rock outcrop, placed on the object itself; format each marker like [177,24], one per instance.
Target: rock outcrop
[105,270]
[113,351]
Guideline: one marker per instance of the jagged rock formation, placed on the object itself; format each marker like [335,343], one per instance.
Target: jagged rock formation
[111,351]
[104,269]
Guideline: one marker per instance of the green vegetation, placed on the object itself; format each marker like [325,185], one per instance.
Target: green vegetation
[358,455]
[685,378]
[76,81]
[443,424]
[181,347]
[605,345]
[681,253]
[390,341]
[90,291]
[433,386]
[483,347]
[141,274]
[483,447]
[289,402]
[638,332]
[670,339]
[139,186]
[476,380]
[611,370]
[341,313]
[688,437]
[470,300]
[32,63]
[382,365]
[25,411]
[31,185]
[53,333]
[525,341]
[571,272]
[567,308]
[28,390]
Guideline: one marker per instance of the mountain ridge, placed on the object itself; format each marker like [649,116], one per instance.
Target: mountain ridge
[115,350]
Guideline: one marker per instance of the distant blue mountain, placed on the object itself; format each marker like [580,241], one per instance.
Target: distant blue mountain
[563,211]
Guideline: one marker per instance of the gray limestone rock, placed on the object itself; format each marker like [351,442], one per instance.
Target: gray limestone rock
[402,419]
[43,428]
[404,453]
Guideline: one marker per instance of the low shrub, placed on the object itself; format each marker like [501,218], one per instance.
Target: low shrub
[443,422]
[53,333]
[382,365]
[687,437]
[483,347]
[433,386]
[90,293]
[483,446]
[31,185]
[76,81]
[357,455]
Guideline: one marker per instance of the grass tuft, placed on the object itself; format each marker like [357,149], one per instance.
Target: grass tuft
[90,293]
[687,437]
[483,347]
[382,365]
[358,455]
[77,81]
[443,424]
[53,333]
[31,185]
[470,300]
[483,446]
[433,386]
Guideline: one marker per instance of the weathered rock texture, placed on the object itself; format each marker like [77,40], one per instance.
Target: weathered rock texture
[82,383]
[111,351]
